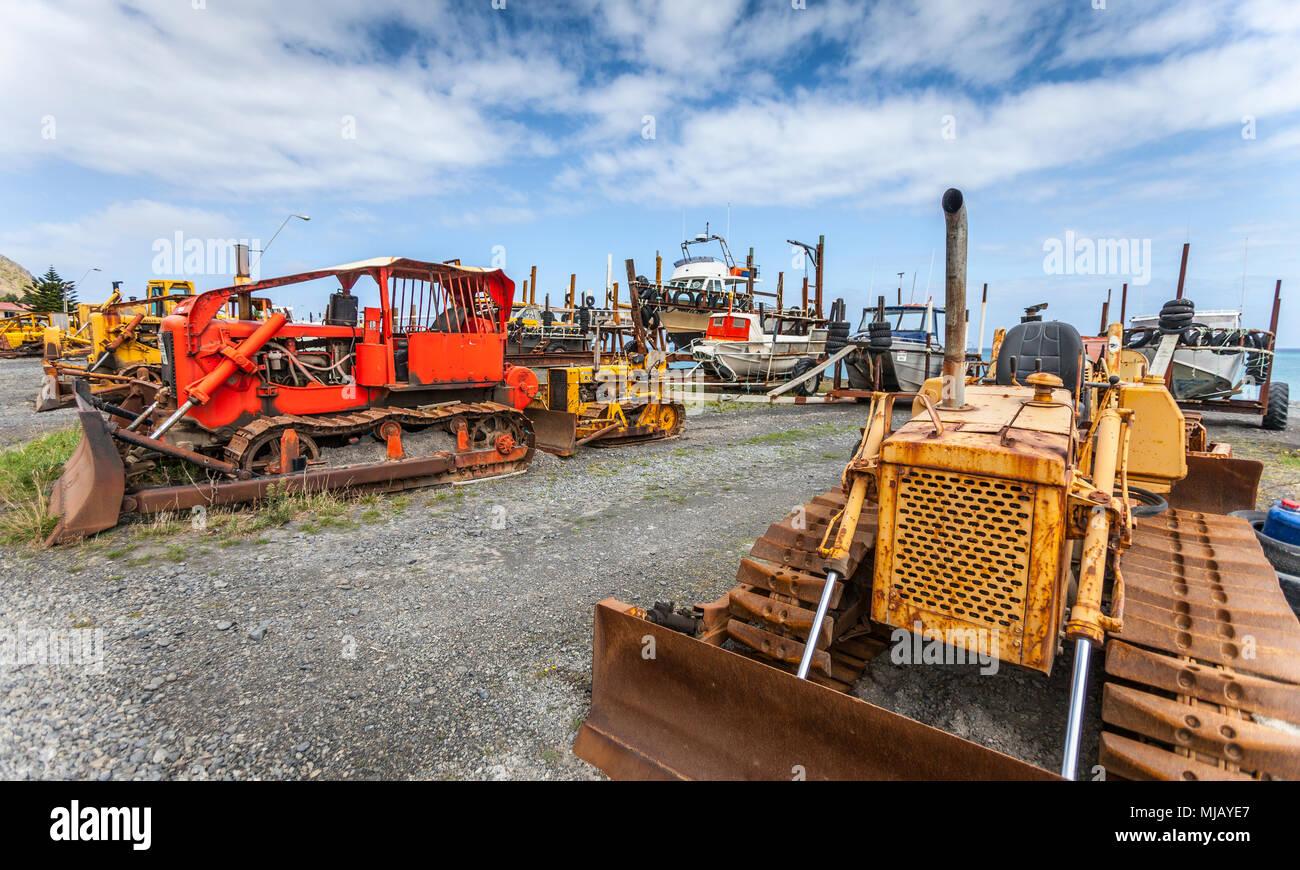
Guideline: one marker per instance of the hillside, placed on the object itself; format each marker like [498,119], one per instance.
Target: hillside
[13,277]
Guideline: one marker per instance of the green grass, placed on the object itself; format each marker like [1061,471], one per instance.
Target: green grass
[26,474]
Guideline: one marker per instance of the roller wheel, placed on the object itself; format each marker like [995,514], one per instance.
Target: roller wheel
[265,451]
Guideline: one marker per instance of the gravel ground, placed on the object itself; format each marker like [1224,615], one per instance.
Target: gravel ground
[441,634]
[19,381]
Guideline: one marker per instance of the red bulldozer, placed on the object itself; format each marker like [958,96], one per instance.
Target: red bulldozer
[411,391]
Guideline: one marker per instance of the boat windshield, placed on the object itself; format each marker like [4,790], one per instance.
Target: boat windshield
[908,320]
[688,283]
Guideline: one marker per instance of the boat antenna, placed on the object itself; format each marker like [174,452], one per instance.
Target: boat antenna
[912,298]
[931,275]
[1245,250]
[728,223]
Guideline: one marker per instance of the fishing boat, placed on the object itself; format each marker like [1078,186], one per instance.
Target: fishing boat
[736,347]
[1214,358]
[915,355]
[700,286]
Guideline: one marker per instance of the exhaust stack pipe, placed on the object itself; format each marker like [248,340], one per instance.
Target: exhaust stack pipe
[954,348]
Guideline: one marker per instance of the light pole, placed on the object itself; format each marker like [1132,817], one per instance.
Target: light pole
[301,217]
[65,292]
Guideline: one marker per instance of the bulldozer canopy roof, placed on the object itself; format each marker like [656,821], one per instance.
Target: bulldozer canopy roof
[499,287]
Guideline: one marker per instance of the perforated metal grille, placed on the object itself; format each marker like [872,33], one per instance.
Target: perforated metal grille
[962,545]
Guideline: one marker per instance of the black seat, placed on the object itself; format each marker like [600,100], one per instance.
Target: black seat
[1057,344]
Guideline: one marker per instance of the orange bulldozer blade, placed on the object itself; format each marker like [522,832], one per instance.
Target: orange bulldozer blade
[87,497]
[1217,485]
[667,706]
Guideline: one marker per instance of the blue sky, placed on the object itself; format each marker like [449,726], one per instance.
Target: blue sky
[523,130]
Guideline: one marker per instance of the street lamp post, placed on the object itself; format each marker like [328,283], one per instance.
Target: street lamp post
[65,293]
[301,217]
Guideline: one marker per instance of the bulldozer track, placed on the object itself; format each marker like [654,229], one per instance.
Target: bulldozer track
[238,450]
[780,584]
[637,433]
[1209,648]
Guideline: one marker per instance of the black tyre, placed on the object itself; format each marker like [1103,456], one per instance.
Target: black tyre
[808,387]
[1149,504]
[1282,556]
[724,373]
[1279,397]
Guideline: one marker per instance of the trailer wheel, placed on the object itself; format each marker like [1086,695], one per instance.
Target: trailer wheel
[1278,399]
[809,387]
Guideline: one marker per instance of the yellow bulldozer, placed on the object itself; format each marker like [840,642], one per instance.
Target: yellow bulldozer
[21,334]
[118,339]
[1058,507]
[624,396]
[615,403]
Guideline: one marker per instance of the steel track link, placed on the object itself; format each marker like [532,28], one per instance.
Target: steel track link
[1210,652]
[781,581]
[361,422]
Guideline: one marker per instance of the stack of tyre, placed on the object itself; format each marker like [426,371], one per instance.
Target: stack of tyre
[837,336]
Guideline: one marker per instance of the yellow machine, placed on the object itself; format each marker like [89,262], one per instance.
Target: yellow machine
[617,403]
[1018,518]
[22,334]
[118,337]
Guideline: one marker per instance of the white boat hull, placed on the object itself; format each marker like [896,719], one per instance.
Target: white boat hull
[748,360]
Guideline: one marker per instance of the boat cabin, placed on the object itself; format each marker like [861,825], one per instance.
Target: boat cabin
[734,326]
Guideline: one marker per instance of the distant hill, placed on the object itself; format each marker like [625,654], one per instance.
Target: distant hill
[13,277]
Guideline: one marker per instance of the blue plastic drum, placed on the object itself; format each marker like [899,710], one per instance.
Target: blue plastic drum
[1283,521]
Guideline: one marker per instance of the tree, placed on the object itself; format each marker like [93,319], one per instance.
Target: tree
[49,291]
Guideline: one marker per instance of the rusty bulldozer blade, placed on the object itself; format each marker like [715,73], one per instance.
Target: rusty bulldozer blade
[554,431]
[1217,485]
[87,497]
[666,706]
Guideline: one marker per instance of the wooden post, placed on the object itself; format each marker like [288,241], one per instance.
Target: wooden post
[780,288]
[1272,344]
[1105,314]
[1123,303]
[532,284]
[1182,273]
[638,328]
[804,307]
[659,269]
[749,268]
[821,253]
[573,287]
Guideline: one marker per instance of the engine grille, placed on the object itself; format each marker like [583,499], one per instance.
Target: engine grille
[962,546]
[168,359]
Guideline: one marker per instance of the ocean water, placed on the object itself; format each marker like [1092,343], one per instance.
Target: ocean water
[1286,369]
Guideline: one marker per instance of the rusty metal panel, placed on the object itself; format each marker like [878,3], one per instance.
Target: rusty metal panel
[695,711]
